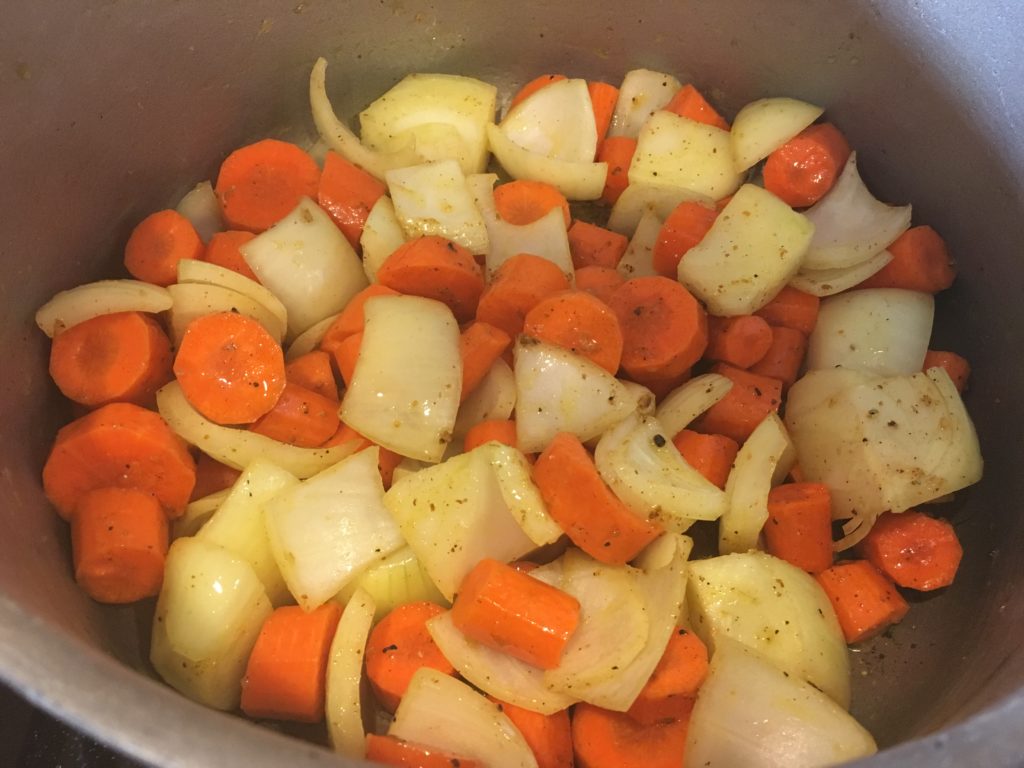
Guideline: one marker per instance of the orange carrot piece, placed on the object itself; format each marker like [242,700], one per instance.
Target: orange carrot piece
[688,102]
[594,246]
[803,169]
[398,646]
[920,262]
[390,750]
[672,687]
[548,736]
[532,87]
[260,184]
[957,367]
[618,152]
[580,322]
[386,460]
[287,672]
[517,287]
[212,476]
[740,341]
[300,417]
[711,455]
[352,318]
[662,385]
[122,356]
[512,612]
[792,308]
[584,506]
[751,398]
[864,599]
[913,549]
[120,445]
[119,542]
[224,251]
[313,371]
[601,282]
[603,96]
[524,201]
[784,357]
[229,367]
[799,525]
[499,430]
[685,226]
[157,244]
[664,328]
[605,739]
[347,193]
[437,269]
[346,355]
[480,345]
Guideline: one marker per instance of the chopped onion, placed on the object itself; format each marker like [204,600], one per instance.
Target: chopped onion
[195,271]
[309,339]
[197,513]
[764,125]
[638,260]
[493,398]
[193,300]
[343,700]
[645,399]
[382,235]
[828,282]
[521,496]
[685,403]
[392,580]
[577,181]
[642,93]
[556,121]
[84,302]
[636,199]
[850,224]
[202,208]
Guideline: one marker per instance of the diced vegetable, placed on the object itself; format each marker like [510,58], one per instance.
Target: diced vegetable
[576,180]
[642,93]
[556,121]
[393,580]
[764,125]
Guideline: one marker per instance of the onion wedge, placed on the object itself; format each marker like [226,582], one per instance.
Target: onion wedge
[577,181]
[687,402]
[84,302]
[343,702]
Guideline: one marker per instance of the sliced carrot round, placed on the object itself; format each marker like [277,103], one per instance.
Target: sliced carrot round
[803,169]
[223,250]
[517,287]
[436,268]
[580,322]
[524,201]
[157,244]
[685,226]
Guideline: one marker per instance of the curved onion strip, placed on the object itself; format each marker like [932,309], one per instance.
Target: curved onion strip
[104,297]
[641,94]
[202,208]
[645,399]
[687,402]
[827,282]
[493,398]
[193,300]
[238,447]
[343,706]
[636,199]
[197,513]
[202,272]
[577,181]
[309,339]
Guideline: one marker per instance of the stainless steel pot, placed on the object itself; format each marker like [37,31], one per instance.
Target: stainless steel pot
[111,110]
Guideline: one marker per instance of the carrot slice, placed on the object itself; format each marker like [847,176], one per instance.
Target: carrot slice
[398,646]
[260,184]
[601,282]
[313,371]
[157,244]
[532,87]
[605,739]
[480,345]
[346,355]
[672,687]
[740,341]
[688,102]
[435,268]
[347,193]
[287,672]
[121,356]
[518,285]
[548,736]
[784,357]
[957,367]
[751,398]
[351,320]
[584,506]
[498,430]
[119,542]
[224,251]
[212,476]
[390,750]
[913,549]
[229,367]
[864,599]
[792,308]
[711,455]
[604,97]
[618,152]
[121,445]
[799,525]
[523,201]
[299,417]
[685,226]
[594,246]
[920,262]
[580,322]
[803,169]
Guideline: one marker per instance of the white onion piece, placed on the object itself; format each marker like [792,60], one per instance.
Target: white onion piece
[202,208]
[556,121]
[559,391]
[577,181]
[885,331]
[660,552]
[340,138]
[850,224]
[502,676]
[756,244]
[382,235]
[682,153]
[439,711]
[343,700]
[239,447]
[325,530]
[195,271]
[645,399]
[828,282]
[309,339]
[636,199]
[193,300]
[642,93]
[764,460]
[764,125]
[393,580]
[521,496]
[749,713]
[775,608]
[638,259]
[637,460]
[493,398]
[685,403]
[433,199]
[84,302]
[197,513]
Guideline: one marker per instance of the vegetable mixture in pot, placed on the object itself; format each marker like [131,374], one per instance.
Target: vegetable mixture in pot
[396,440]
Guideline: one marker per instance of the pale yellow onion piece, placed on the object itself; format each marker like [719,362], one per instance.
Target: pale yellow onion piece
[637,199]
[194,300]
[239,447]
[343,702]
[306,262]
[521,496]
[393,580]
[577,181]
[750,713]
[851,224]
[775,608]
[638,259]
[404,393]
[764,125]
[556,121]
[661,552]
[828,282]
[439,711]
[407,467]
[202,208]
[493,398]
[885,331]
[340,138]
[755,246]
[197,513]
[104,297]
[382,235]
[434,199]
[641,94]
[309,339]
[496,673]
[688,401]
[195,271]
[682,153]
[645,399]
[764,460]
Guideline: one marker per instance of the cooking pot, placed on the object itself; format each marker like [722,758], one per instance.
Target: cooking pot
[112,110]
